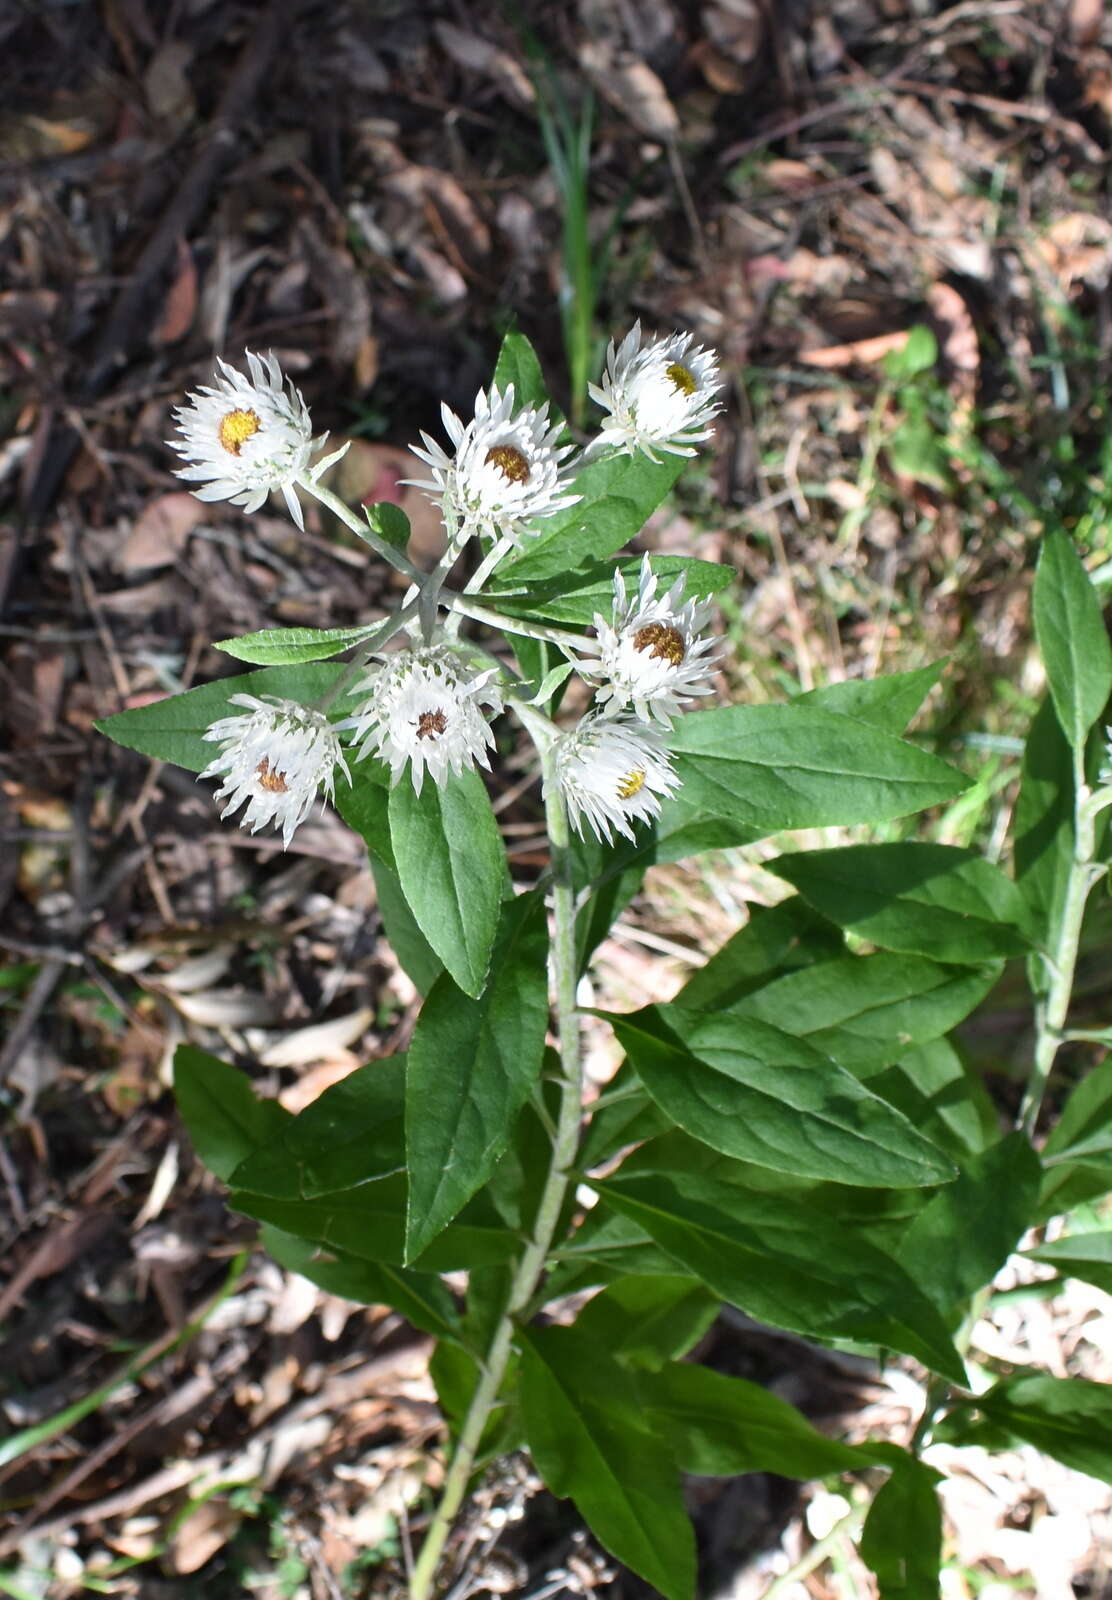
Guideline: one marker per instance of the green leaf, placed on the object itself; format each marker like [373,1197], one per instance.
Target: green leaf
[227,1121]
[1072,637]
[784,1263]
[866,1011]
[369,1222]
[1078,1153]
[888,703]
[365,806]
[275,647]
[902,1536]
[1068,1418]
[919,354]
[1087,1256]
[416,955]
[967,1231]
[455,1373]
[351,1134]
[419,1296]
[389,522]
[472,1063]
[1044,820]
[645,1321]
[617,494]
[574,598]
[452,870]
[776,940]
[752,1091]
[777,767]
[590,1440]
[945,1100]
[173,729]
[919,899]
[518,364]
[719,1426]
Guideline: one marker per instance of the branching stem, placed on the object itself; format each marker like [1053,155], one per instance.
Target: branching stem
[534,1257]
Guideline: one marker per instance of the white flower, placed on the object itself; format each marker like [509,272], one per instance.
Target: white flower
[658,396]
[507,469]
[275,757]
[424,706]
[245,437]
[612,772]
[652,655]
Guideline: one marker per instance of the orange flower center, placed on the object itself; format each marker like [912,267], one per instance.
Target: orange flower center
[272,781]
[661,640]
[236,427]
[631,784]
[509,461]
[682,378]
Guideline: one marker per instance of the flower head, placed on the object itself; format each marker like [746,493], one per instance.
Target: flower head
[651,655]
[245,437]
[507,468]
[659,396]
[275,757]
[612,772]
[425,706]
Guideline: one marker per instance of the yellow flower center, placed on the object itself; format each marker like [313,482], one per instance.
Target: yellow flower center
[631,784]
[272,781]
[681,377]
[236,427]
[431,724]
[509,461]
[661,640]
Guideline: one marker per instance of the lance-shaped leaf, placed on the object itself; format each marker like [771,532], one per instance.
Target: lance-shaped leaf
[772,768]
[227,1120]
[785,1264]
[518,364]
[574,598]
[645,1321]
[866,1011]
[276,647]
[719,1426]
[472,1063]
[1044,821]
[173,729]
[1072,637]
[902,1536]
[420,1297]
[888,703]
[752,1091]
[618,494]
[591,1441]
[919,899]
[1068,1418]
[452,869]
[1087,1256]
[776,940]
[966,1232]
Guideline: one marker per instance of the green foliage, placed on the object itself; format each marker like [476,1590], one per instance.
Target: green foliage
[227,1122]
[902,1536]
[1072,638]
[172,729]
[518,364]
[887,703]
[574,599]
[1068,1418]
[277,647]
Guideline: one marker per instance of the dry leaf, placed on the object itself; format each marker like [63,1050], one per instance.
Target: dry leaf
[633,88]
[318,1042]
[844,355]
[159,536]
[180,305]
[479,55]
[202,1535]
[957,341]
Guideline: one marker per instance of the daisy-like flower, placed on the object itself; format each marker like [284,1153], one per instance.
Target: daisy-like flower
[507,467]
[651,655]
[245,437]
[425,706]
[276,756]
[612,772]
[658,396]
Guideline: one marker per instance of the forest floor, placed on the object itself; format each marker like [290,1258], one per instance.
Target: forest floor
[891,219]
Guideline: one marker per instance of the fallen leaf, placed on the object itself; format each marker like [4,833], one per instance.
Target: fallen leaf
[180,305]
[160,533]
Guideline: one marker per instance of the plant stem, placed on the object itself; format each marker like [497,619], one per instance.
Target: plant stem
[494,619]
[534,1257]
[1053,1005]
[360,527]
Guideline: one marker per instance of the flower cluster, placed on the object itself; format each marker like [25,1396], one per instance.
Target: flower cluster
[427,707]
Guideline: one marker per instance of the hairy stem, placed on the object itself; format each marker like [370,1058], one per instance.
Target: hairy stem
[534,1257]
[360,527]
[1053,1004]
